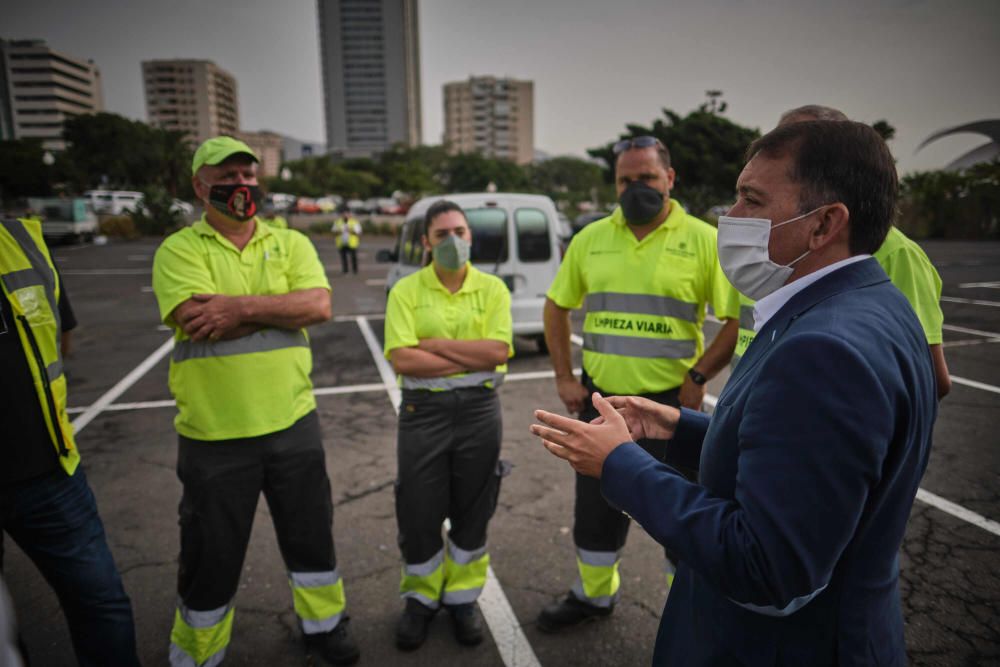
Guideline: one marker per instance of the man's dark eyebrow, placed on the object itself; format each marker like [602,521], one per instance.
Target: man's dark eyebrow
[747,189]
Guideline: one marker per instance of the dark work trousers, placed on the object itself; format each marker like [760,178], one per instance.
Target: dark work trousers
[353,253]
[223,480]
[54,520]
[597,526]
[448,448]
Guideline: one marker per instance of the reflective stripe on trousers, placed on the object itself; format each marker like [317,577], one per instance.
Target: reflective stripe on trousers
[477,379]
[424,581]
[455,577]
[264,340]
[464,574]
[599,579]
[319,599]
[200,638]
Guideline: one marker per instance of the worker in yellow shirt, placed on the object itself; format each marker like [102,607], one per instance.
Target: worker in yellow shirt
[271,218]
[907,265]
[238,295]
[448,335]
[347,231]
[645,275]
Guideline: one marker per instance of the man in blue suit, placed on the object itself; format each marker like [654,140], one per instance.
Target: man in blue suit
[810,464]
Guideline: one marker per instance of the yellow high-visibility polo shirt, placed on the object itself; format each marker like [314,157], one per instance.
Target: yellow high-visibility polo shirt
[645,300]
[249,386]
[421,307]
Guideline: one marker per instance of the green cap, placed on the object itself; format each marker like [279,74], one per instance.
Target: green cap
[217,149]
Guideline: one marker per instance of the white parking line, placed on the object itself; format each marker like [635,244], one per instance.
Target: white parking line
[993,284]
[958,511]
[107,272]
[513,646]
[110,395]
[975,385]
[974,302]
[974,332]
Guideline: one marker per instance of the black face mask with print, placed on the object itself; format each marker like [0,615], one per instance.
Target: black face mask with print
[237,201]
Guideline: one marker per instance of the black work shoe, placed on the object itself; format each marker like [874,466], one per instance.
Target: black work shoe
[468,623]
[336,646]
[569,612]
[411,630]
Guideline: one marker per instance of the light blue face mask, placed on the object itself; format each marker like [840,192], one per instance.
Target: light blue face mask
[451,253]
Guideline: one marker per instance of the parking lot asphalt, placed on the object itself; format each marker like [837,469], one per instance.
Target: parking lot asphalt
[949,583]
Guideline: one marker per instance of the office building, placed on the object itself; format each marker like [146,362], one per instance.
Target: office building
[40,89]
[196,97]
[490,115]
[269,147]
[369,56]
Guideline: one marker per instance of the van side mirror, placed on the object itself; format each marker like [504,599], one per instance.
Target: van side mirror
[385,256]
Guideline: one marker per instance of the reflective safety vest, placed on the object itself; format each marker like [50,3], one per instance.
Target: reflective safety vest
[353,229]
[645,300]
[30,283]
[746,333]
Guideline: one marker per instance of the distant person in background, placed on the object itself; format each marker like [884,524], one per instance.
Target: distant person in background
[348,232]
[907,264]
[272,219]
[46,504]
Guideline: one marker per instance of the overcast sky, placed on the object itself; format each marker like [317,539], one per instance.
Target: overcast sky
[921,64]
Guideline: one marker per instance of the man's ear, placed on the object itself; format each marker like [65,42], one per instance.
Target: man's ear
[200,189]
[834,226]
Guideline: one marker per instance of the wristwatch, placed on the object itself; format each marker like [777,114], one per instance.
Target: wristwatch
[697,377]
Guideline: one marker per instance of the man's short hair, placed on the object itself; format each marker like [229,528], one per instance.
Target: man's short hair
[438,208]
[811,112]
[839,161]
[662,152]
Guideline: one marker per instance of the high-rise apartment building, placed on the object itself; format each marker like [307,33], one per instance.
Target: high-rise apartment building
[40,89]
[369,55]
[490,115]
[268,146]
[196,97]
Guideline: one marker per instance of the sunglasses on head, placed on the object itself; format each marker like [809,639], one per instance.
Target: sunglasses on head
[635,142]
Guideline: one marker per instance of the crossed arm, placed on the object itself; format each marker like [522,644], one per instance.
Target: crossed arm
[221,317]
[438,357]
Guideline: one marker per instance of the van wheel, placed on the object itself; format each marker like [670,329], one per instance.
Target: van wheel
[543,347]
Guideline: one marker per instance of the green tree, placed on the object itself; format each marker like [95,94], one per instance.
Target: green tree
[23,173]
[109,149]
[569,180]
[885,130]
[706,151]
[473,172]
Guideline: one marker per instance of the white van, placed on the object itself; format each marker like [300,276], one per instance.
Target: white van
[514,236]
[113,202]
[65,219]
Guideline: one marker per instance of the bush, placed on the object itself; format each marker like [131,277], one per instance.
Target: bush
[320,227]
[118,226]
[155,217]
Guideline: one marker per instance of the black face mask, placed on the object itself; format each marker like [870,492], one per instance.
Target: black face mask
[236,201]
[640,203]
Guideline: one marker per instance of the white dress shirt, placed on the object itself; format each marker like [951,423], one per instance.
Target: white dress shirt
[765,309]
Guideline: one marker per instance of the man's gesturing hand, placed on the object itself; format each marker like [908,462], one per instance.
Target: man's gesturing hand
[645,418]
[585,446]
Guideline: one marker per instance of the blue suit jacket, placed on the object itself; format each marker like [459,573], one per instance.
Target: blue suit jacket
[808,471]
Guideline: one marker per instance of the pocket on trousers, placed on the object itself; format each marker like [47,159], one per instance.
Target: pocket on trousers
[503,469]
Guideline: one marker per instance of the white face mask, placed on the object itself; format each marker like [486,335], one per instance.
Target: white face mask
[744,256]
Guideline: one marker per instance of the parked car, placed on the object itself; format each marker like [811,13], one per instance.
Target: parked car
[280,201]
[113,202]
[356,206]
[178,206]
[514,236]
[585,219]
[65,219]
[306,205]
[329,203]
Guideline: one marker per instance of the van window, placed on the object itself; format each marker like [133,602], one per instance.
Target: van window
[489,234]
[533,243]
[411,250]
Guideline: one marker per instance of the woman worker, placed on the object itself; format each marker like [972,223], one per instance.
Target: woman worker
[448,336]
